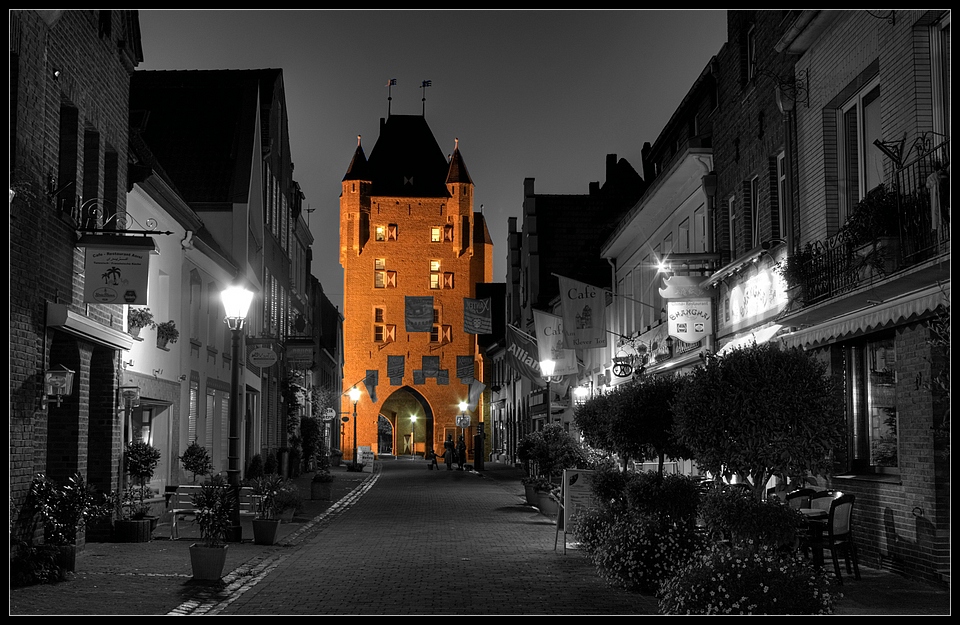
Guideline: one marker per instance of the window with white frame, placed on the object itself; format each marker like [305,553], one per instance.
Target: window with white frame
[781,226]
[940,70]
[861,163]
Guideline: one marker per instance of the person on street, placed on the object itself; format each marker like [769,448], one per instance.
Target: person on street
[461,454]
[448,452]
[432,459]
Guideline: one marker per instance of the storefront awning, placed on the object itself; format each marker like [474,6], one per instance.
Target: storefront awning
[758,336]
[879,315]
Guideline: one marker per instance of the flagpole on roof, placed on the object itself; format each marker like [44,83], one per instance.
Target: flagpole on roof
[390,84]
[423,100]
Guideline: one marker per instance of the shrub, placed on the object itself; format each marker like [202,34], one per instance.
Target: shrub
[196,460]
[255,468]
[747,580]
[733,514]
[270,463]
[671,497]
[214,503]
[288,498]
[637,551]
[35,564]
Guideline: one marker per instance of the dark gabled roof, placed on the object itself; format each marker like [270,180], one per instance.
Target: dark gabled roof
[406,160]
[200,125]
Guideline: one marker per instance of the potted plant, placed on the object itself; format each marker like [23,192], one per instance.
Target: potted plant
[872,230]
[321,486]
[214,504]
[132,521]
[196,460]
[140,460]
[64,511]
[167,333]
[335,457]
[288,501]
[266,524]
[137,319]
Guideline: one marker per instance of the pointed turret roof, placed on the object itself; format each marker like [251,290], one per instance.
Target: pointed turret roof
[358,169]
[458,169]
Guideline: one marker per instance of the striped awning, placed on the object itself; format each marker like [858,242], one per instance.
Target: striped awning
[872,318]
[759,336]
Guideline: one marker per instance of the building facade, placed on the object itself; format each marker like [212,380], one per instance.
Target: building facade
[873,256]
[69,94]
[412,248]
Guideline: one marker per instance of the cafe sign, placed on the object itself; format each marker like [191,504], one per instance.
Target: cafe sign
[116,269]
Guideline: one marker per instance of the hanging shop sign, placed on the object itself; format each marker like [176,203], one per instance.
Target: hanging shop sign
[116,268]
[263,357]
[299,353]
[689,320]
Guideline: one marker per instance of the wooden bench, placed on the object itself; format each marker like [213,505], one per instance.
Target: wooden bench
[182,504]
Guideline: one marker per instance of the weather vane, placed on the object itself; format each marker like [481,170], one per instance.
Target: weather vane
[390,84]
[423,100]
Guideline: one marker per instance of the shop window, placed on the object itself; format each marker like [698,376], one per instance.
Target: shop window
[871,371]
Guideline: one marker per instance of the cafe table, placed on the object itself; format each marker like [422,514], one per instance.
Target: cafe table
[816,524]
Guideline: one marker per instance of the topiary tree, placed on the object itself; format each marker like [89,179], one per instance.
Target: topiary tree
[634,421]
[140,460]
[761,411]
[196,460]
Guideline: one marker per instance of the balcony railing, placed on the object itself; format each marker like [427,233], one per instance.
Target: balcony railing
[830,267]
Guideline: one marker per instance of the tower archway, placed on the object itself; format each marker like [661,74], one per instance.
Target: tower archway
[411,420]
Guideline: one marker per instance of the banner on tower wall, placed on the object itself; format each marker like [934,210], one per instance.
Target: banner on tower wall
[465,368]
[395,370]
[418,313]
[477,316]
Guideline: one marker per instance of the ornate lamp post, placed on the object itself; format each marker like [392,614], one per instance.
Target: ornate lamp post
[236,303]
[546,371]
[354,394]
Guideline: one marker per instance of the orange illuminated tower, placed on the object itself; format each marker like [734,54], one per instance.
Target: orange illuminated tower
[412,248]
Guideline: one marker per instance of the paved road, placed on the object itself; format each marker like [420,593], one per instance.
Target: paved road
[434,543]
[403,540]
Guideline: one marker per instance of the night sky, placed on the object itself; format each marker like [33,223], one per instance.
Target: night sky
[529,94]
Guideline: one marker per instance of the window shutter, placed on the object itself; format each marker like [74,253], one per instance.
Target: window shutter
[390,333]
[391,279]
[448,233]
[446,334]
[448,280]
[392,232]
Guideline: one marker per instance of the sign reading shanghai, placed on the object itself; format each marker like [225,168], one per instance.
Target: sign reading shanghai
[689,320]
[584,312]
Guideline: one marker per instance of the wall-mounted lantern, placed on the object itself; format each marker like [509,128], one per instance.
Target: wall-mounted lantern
[57,382]
[130,396]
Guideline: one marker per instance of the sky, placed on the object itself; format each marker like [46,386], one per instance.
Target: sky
[542,94]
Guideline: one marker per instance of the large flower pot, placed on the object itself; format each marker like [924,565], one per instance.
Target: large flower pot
[207,562]
[131,531]
[531,493]
[67,558]
[547,505]
[321,491]
[265,531]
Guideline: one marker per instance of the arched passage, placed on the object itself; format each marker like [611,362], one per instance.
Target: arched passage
[411,422]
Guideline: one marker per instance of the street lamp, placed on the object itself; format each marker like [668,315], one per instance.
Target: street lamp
[413,435]
[354,394]
[463,414]
[236,303]
[546,370]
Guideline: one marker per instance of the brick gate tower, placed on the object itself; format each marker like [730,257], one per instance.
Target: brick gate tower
[412,248]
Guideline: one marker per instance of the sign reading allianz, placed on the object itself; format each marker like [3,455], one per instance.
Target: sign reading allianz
[689,308]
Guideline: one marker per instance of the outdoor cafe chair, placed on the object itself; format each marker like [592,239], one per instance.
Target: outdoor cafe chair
[821,499]
[839,536]
[799,498]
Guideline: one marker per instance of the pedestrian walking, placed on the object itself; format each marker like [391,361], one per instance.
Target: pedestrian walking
[461,453]
[448,452]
